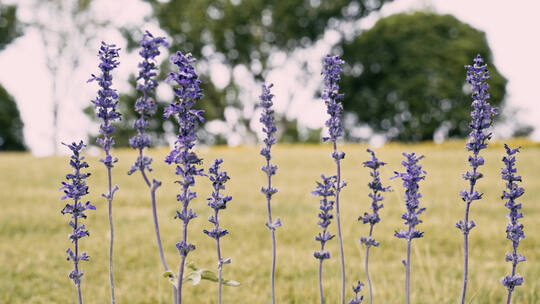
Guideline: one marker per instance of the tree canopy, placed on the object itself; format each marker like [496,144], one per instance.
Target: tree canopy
[405,77]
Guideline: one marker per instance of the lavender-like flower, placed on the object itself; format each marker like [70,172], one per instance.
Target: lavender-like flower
[331,96]
[269,128]
[482,118]
[514,230]
[75,188]
[218,201]
[357,298]
[325,190]
[146,107]
[186,160]
[105,108]
[372,218]
[411,177]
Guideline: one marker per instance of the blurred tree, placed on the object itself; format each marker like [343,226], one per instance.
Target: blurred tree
[11,133]
[405,77]
[11,125]
[65,29]
[241,32]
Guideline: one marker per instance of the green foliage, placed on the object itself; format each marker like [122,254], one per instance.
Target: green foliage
[406,75]
[9,27]
[248,30]
[236,32]
[11,125]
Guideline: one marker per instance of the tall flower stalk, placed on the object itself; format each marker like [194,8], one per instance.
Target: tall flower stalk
[514,230]
[482,118]
[217,201]
[331,96]
[74,189]
[182,155]
[269,129]
[325,190]
[146,107]
[411,177]
[105,108]
[372,218]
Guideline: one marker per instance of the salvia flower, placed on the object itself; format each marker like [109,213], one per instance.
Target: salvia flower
[325,191]
[514,230]
[376,204]
[145,105]
[75,188]
[105,107]
[217,201]
[107,100]
[332,98]
[188,92]
[411,177]
[481,119]
[357,297]
[269,129]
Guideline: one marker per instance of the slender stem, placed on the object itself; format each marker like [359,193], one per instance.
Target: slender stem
[156,222]
[184,239]
[220,262]
[109,198]
[338,220]
[180,276]
[465,256]
[273,232]
[408,272]
[320,282]
[367,266]
[76,259]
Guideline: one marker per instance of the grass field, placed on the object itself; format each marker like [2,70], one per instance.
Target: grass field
[33,233]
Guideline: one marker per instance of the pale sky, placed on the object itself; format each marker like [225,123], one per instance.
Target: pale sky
[511,32]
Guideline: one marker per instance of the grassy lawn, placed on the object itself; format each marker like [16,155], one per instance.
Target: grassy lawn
[33,233]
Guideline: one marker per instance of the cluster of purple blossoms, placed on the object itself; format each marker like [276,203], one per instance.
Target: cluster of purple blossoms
[186,160]
[75,188]
[218,201]
[145,105]
[376,189]
[482,118]
[269,129]
[373,218]
[357,298]
[325,190]
[514,230]
[413,175]
[332,75]
[107,99]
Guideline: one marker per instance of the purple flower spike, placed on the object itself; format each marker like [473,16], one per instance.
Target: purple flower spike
[186,160]
[411,177]
[107,100]
[481,119]
[105,108]
[145,105]
[373,218]
[326,189]
[357,297]
[75,188]
[514,230]
[218,201]
[269,129]
[332,75]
